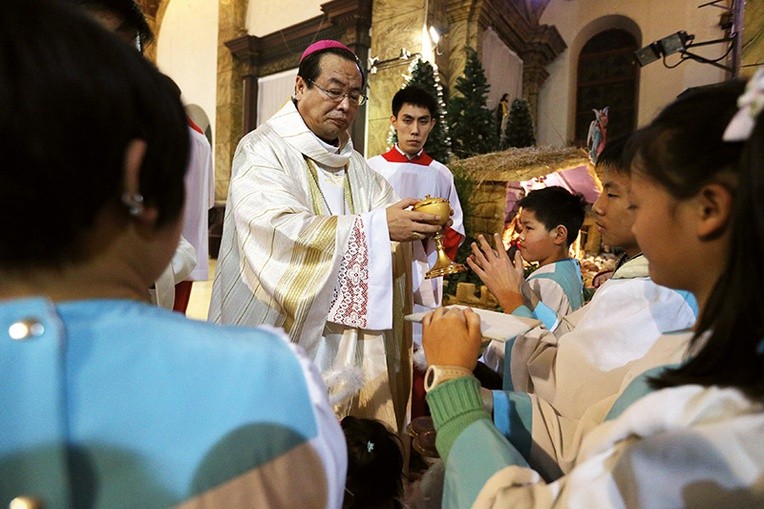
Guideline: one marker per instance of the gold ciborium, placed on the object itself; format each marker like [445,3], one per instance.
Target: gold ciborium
[440,207]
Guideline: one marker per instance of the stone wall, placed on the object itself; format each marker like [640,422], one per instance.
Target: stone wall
[486,205]
[753,38]
[394,28]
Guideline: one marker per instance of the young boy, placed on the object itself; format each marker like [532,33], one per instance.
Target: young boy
[409,169]
[413,173]
[549,222]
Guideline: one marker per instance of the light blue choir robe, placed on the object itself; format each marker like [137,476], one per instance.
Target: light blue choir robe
[115,403]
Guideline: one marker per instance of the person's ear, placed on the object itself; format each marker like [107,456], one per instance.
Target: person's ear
[392,120]
[560,234]
[132,198]
[714,203]
[299,86]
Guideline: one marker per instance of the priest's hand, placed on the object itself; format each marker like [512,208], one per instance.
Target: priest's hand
[407,225]
[451,337]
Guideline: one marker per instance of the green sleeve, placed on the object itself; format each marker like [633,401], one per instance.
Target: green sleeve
[472,448]
[455,404]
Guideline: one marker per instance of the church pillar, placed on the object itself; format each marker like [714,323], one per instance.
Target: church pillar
[397,32]
[230,93]
[543,47]
[460,35]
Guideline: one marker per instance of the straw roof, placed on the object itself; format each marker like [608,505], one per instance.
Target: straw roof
[520,164]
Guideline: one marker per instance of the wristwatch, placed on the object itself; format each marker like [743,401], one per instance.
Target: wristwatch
[438,374]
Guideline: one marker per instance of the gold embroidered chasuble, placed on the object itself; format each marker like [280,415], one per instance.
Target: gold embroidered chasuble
[291,257]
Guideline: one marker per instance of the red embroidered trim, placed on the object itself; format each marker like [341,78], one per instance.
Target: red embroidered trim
[352,290]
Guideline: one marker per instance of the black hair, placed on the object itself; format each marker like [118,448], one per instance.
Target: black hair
[72,98]
[555,206]
[310,67]
[682,150]
[613,155]
[128,10]
[375,463]
[416,97]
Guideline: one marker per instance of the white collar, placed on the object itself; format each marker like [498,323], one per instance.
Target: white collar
[289,124]
[406,155]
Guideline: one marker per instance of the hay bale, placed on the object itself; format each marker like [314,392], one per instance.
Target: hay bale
[519,164]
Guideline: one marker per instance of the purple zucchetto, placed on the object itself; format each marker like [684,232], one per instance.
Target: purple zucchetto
[322,45]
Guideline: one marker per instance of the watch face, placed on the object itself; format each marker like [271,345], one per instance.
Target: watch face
[429,377]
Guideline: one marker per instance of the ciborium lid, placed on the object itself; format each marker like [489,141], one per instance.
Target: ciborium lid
[427,200]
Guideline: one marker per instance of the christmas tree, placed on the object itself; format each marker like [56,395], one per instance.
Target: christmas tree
[471,124]
[519,132]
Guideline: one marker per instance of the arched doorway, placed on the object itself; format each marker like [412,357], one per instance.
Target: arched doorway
[607,76]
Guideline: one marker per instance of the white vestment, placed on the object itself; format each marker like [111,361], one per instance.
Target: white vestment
[305,247]
[183,262]
[685,446]
[417,177]
[200,197]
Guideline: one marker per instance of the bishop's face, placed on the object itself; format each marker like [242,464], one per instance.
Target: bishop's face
[325,116]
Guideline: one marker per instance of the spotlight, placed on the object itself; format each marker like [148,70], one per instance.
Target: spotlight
[648,54]
[371,66]
[674,42]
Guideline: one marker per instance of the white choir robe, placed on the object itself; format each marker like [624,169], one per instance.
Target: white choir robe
[305,247]
[200,197]
[559,388]
[560,291]
[685,446]
[626,316]
[417,177]
[183,262]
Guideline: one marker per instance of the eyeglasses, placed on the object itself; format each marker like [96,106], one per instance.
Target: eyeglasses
[354,97]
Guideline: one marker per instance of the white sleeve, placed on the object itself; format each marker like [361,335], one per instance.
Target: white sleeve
[179,268]
[458,216]
[363,294]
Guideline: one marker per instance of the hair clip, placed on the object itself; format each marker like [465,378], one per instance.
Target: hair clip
[750,103]
[369,446]
[133,202]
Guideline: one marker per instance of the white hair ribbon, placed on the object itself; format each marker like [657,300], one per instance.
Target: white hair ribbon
[750,104]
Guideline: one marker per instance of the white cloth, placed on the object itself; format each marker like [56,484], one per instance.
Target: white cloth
[557,437]
[688,446]
[200,198]
[416,178]
[291,258]
[183,262]
[624,318]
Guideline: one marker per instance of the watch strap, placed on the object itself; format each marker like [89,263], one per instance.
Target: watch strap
[438,374]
